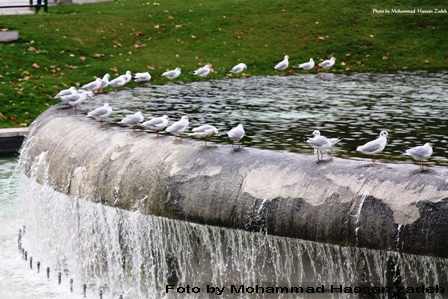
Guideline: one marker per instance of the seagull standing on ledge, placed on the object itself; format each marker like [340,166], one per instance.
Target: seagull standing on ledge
[65,92]
[77,98]
[320,143]
[101,112]
[204,131]
[307,65]
[172,74]
[133,119]
[236,134]
[104,82]
[121,80]
[282,65]
[420,153]
[327,64]
[203,71]
[178,127]
[157,124]
[142,77]
[238,68]
[374,147]
[93,86]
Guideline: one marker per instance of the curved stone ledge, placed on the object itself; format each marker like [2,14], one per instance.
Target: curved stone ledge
[346,202]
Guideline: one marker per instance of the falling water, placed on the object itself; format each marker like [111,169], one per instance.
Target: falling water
[137,256]
[358,214]
[397,240]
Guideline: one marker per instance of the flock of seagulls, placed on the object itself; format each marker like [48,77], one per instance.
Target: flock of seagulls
[326,64]
[321,143]
[75,97]
[177,128]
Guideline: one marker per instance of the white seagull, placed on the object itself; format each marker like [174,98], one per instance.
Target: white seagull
[127,77]
[203,71]
[374,147]
[307,65]
[420,153]
[327,64]
[236,134]
[133,119]
[282,65]
[104,82]
[172,74]
[157,124]
[179,127]
[65,92]
[142,77]
[238,68]
[121,80]
[117,82]
[93,86]
[204,131]
[101,112]
[77,98]
[321,143]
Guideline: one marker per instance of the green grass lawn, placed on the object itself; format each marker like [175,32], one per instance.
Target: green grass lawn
[73,44]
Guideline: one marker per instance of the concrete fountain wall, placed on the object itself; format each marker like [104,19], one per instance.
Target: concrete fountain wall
[389,206]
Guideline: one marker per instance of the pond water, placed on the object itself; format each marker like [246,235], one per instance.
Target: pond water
[280,112]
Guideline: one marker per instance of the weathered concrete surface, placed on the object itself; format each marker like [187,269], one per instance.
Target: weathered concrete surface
[389,206]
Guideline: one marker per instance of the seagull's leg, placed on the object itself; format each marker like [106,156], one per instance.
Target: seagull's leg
[317,152]
[205,141]
[373,159]
[321,155]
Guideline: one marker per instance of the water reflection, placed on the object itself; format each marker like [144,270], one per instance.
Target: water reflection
[279,112]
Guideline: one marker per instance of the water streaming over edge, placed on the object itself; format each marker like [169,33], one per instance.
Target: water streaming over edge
[17,280]
[87,242]
[135,255]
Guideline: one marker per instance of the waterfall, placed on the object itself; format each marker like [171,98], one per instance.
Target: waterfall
[137,256]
